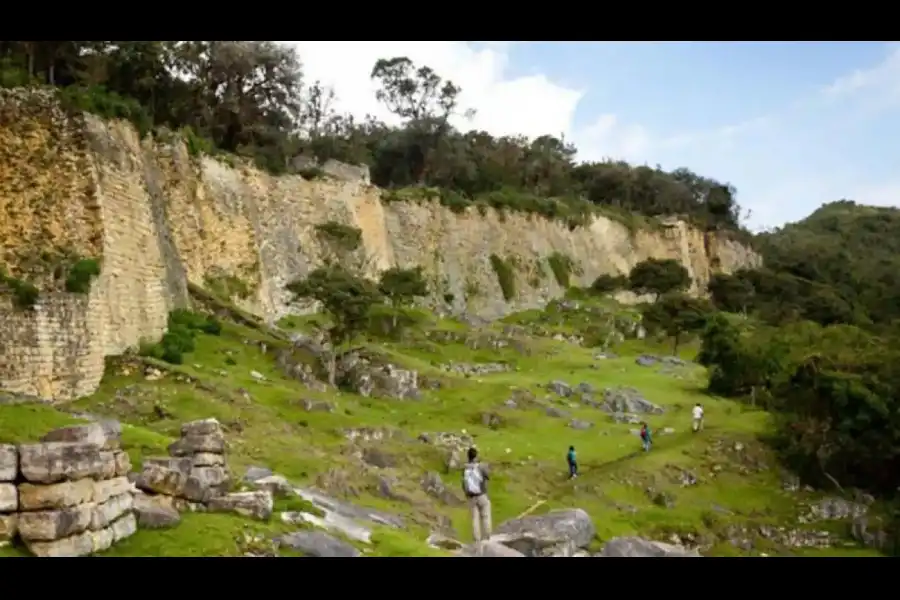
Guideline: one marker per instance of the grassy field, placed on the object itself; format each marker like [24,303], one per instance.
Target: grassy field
[736,489]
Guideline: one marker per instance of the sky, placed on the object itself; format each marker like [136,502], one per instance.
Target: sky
[791,125]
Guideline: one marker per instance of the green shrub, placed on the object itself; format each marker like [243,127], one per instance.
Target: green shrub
[605,284]
[98,100]
[179,339]
[506,277]
[197,145]
[346,237]
[311,173]
[24,294]
[13,75]
[78,279]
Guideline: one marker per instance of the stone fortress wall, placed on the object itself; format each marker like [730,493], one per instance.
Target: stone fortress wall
[159,218]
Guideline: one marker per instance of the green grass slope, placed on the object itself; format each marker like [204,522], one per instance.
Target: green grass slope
[720,488]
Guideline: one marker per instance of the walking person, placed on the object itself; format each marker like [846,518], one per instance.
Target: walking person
[646,440]
[697,418]
[573,462]
[475,479]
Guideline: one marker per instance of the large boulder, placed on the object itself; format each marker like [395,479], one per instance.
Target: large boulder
[371,378]
[556,533]
[636,547]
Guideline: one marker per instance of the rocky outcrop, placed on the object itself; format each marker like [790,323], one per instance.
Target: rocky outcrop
[557,533]
[157,218]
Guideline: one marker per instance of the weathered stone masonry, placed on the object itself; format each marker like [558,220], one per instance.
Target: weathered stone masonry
[74,494]
[158,218]
[68,495]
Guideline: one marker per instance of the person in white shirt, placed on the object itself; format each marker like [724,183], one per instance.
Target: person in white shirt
[697,414]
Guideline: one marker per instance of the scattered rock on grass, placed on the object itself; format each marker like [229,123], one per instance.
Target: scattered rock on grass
[628,400]
[560,388]
[636,547]
[317,543]
[257,504]
[434,487]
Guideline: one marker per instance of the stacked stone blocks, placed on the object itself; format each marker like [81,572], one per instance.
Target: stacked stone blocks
[68,495]
[194,472]
[195,477]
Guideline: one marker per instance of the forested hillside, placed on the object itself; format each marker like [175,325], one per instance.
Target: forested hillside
[250,98]
[815,340]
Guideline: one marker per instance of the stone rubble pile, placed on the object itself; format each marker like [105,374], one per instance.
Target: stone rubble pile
[194,477]
[73,494]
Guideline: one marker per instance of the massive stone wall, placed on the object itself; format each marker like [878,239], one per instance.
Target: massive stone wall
[158,218]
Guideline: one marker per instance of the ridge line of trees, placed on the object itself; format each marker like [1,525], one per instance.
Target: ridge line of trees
[250,98]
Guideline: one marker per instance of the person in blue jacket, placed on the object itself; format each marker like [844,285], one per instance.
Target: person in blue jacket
[573,463]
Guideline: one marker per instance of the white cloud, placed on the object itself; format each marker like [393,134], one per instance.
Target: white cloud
[531,105]
[875,88]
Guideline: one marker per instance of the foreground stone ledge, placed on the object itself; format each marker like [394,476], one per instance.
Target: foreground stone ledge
[258,504]
[123,463]
[49,525]
[213,443]
[205,483]
[9,498]
[87,542]
[56,495]
[162,480]
[9,462]
[90,433]
[103,515]
[201,427]
[104,490]
[8,527]
[52,462]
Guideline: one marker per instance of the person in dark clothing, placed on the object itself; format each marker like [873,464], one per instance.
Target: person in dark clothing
[573,462]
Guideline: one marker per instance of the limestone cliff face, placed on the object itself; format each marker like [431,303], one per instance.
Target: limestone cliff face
[158,218]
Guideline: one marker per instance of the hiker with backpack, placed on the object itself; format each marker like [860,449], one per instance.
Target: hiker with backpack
[573,463]
[646,440]
[475,487]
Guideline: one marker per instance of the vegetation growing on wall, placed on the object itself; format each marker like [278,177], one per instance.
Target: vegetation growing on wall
[202,89]
[73,273]
[80,274]
[506,276]
[562,267]
[24,294]
[227,286]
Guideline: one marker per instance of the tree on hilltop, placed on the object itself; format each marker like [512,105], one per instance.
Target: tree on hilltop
[676,314]
[658,276]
